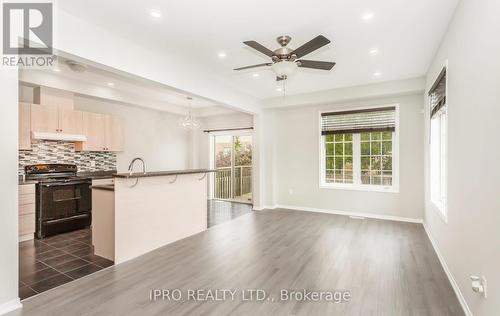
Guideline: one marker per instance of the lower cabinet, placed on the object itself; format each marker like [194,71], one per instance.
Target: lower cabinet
[26,212]
[103,220]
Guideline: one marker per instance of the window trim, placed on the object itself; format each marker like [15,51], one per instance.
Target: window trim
[440,208]
[356,152]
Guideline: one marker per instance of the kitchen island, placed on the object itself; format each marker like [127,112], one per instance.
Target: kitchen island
[145,211]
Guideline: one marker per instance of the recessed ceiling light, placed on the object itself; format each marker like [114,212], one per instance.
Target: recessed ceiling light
[377,74]
[279,89]
[56,70]
[255,75]
[111,84]
[368,16]
[155,14]
[373,51]
[222,55]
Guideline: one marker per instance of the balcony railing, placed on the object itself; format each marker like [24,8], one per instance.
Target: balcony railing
[224,182]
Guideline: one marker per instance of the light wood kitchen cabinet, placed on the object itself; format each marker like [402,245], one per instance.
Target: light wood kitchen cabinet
[113,133]
[24,126]
[70,121]
[104,133]
[55,119]
[44,118]
[93,128]
[26,212]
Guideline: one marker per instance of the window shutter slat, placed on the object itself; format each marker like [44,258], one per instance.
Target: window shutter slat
[359,121]
[437,93]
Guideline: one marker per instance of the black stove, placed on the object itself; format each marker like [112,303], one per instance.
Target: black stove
[63,200]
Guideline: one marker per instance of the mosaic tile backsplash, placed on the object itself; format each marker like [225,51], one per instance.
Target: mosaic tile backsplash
[44,151]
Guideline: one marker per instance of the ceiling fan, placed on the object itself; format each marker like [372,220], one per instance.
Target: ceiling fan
[286,60]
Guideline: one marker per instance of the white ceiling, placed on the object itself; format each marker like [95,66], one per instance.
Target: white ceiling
[406,33]
[121,87]
[132,85]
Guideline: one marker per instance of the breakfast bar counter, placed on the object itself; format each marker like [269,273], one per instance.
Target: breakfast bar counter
[151,210]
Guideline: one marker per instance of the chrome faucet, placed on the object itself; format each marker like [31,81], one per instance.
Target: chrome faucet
[131,166]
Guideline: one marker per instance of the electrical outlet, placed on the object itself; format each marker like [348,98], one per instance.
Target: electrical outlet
[290,191]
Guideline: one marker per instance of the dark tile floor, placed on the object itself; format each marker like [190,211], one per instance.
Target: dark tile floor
[50,262]
[220,211]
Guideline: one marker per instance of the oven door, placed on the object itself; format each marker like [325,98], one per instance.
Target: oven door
[63,206]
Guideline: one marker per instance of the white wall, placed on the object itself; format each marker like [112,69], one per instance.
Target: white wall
[296,160]
[152,135]
[8,192]
[201,143]
[470,241]
[268,163]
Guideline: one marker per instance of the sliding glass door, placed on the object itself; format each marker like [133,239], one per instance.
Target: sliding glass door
[233,162]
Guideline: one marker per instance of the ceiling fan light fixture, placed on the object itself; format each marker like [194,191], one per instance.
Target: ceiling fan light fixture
[284,68]
[285,60]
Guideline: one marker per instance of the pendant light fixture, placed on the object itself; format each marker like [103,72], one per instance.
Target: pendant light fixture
[189,122]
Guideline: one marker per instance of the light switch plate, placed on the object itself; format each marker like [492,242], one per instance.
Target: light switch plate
[484,282]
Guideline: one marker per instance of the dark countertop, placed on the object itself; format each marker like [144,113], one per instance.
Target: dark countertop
[23,182]
[95,175]
[162,173]
[107,187]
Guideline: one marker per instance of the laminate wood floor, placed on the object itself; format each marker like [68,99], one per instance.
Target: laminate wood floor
[389,268]
[219,211]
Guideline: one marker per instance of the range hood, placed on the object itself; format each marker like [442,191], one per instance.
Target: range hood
[59,136]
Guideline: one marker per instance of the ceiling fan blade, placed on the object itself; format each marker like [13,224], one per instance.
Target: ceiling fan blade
[253,66]
[312,45]
[315,64]
[264,50]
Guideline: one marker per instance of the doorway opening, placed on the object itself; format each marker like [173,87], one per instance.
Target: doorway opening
[232,158]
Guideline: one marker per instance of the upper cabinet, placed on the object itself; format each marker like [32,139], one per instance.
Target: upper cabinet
[113,133]
[93,128]
[70,121]
[44,118]
[54,113]
[24,126]
[104,133]
[53,119]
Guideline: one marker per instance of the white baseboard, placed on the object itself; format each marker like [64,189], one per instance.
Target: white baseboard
[26,237]
[268,207]
[356,214]
[447,270]
[265,207]
[10,306]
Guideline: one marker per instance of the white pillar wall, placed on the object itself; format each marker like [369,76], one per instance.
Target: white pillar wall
[9,299]
[264,161]
[257,194]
